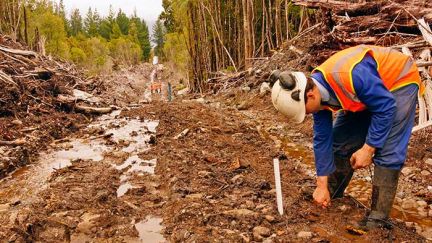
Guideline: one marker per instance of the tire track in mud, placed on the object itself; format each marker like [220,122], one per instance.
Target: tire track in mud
[89,188]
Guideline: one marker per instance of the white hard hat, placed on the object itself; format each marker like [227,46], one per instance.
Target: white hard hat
[288,95]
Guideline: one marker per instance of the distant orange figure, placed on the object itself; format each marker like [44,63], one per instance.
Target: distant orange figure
[156,87]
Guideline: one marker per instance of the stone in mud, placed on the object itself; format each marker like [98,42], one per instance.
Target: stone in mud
[195,196]
[246,89]
[304,234]
[249,204]
[430,213]
[261,232]
[245,237]
[429,161]
[87,223]
[265,88]
[238,179]
[240,213]
[425,173]
[243,106]
[422,203]
[270,218]
[204,173]
[408,203]
[407,170]
[17,122]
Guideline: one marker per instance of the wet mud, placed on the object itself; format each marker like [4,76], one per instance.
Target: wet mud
[180,172]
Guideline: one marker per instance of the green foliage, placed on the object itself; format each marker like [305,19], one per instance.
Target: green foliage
[76,23]
[91,23]
[176,50]
[50,26]
[123,22]
[158,38]
[125,51]
[78,56]
[93,42]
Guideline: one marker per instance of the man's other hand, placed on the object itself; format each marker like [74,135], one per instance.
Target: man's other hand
[363,157]
[321,194]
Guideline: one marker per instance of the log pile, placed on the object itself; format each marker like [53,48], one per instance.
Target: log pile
[39,102]
[30,82]
[344,24]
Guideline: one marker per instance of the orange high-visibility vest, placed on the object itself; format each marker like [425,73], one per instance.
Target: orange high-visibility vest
[395,69]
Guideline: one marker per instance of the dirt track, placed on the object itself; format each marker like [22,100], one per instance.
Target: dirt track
[214,183]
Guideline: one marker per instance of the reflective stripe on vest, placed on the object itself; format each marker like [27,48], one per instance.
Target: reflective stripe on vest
[395,69]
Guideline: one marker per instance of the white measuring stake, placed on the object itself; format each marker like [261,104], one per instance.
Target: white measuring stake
[278,186]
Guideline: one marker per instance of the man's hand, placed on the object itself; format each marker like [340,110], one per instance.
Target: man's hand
[363,157]
[321,194]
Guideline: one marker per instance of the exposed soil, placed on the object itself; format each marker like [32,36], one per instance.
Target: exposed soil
[211,182]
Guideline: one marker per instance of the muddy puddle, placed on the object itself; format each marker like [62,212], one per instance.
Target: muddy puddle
[150,230]
[108,135]
[360,186]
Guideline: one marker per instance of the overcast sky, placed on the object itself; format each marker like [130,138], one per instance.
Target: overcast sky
[146,9]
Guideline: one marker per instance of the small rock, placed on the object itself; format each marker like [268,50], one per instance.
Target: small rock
[250,204]
[204,173]
[343,208]
[409,224]
[407,170]
[17,122]
[260,232]
[236,179]
[430,213]
[200,100]
[425,173]
[195,196]
[429,188]
[216,105]
[265,88]
[87,223]
[243,106]
[422,203]
[270,218]
[246,89]
[429,161]
[304,234]
[245,237]
[408,203]
[240,213]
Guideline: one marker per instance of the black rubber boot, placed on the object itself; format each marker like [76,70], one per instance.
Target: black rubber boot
[384,188]
[339,180]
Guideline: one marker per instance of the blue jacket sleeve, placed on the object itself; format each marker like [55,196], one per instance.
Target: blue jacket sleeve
[378,99]
[323,142]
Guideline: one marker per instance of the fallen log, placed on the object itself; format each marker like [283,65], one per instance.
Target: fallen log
[93,110]
[17,142]
[342,7]
[18,52]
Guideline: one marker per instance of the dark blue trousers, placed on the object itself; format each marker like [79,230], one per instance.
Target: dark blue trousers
[351,128]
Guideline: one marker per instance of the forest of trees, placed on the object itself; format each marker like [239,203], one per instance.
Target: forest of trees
[94,42]
[200,38]
[227,35]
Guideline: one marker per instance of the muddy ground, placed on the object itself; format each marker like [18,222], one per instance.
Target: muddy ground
[194,170]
